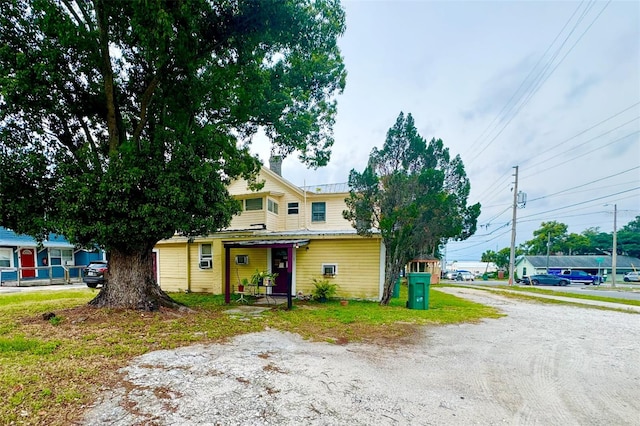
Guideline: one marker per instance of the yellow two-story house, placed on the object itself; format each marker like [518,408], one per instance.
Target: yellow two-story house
[298,233]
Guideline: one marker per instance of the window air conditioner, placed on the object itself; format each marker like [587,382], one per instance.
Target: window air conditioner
[205,264]
[242,259]
[328,269]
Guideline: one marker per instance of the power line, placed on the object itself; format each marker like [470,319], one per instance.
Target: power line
[539,82]
[588,183]
[556,145]
[565,160]
[582,202]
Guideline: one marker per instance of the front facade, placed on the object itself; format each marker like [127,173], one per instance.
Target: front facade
[298,233]
[23,261]
[591,264]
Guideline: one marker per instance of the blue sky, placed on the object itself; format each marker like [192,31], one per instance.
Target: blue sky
[552,87]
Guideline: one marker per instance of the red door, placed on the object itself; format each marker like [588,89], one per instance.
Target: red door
[28,260]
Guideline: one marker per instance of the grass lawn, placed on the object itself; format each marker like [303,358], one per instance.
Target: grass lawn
[52,368]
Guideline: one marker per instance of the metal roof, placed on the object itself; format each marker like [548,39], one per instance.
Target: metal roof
[267,243]
[582,262]
[331,188]
[9,238]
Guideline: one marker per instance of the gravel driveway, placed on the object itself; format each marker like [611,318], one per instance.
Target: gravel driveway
[540,365]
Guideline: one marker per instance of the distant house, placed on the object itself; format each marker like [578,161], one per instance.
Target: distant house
[298,233]
[592,264]
[23,261]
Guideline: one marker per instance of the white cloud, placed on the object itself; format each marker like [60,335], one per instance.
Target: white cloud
[455,65]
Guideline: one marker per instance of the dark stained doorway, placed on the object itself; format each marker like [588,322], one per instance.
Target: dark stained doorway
[280,265]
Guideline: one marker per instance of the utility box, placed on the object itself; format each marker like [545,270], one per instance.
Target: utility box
[419,284]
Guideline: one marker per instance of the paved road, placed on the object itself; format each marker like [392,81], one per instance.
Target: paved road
[621,291]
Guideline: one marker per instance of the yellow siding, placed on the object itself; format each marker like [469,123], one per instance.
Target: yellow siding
[172,265]
[358,261]
[335,205]
[245,219]
[257,260]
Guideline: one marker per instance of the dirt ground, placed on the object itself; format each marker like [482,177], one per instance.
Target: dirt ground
[541,364]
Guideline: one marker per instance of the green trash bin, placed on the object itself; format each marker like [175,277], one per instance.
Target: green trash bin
[419,284]
[396,289]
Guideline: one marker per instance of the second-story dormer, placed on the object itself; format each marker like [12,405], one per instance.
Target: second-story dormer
[281,206]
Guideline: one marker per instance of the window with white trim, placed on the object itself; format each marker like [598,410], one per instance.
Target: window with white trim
[293,208]
[61,256]
[272,206]
[329,269]
[318,212]
[6,258]
[206,251]
[206,256]
[252,204]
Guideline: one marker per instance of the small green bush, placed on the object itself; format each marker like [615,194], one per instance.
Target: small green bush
[323,289]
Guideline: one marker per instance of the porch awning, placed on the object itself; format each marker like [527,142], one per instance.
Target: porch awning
[266,243]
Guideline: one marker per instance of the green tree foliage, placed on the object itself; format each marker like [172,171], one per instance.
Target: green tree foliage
[123,122]
[590,241]
[554,231]
[414,194]
[629,238]
[500,258]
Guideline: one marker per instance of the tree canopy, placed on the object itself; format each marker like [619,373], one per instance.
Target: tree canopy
[414,194]
[590,242]
[123,122]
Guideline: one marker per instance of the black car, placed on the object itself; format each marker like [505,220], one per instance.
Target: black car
[95,273]
[548,279]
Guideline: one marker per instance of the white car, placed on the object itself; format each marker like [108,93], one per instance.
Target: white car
[632,276]
[464,276]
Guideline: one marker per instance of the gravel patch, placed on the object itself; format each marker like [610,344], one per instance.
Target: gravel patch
[540,365]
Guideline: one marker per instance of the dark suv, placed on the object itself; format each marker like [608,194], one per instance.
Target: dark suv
[95,273]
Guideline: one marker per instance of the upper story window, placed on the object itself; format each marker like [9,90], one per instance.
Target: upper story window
[6,257]
[272,206]
[318,212]
[292,208]
[253,204]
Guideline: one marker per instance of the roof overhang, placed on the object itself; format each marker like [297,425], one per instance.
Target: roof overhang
[266,243]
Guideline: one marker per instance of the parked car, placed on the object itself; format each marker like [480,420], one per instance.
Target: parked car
[632,277]
[524,280]
[548,279]
[464,276]
[95,273]
[577,276]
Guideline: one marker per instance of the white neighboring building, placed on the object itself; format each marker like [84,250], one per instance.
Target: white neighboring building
[477,268]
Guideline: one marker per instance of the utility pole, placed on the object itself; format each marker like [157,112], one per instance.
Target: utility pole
[548,249]
[512,254]
[614,255]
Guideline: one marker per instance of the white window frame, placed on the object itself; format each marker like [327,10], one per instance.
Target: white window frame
[293,208]
[9,255]
[324,213]
[65,255]
[327,265]
[252,209]
[203,255]
[205,259]
[272,206]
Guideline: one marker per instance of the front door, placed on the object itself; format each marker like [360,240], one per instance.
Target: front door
[28,260]
[280,264]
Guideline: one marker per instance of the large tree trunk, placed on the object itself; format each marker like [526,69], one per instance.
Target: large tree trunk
[131,284]
[391,275]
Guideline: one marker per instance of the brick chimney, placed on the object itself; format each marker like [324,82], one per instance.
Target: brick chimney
[275,164]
